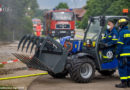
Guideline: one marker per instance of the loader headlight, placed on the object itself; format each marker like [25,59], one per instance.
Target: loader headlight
[84,44]
[88,43]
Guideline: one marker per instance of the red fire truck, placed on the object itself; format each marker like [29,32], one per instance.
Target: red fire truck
[59,23]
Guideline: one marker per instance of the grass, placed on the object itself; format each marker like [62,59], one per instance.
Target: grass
[7,87]
[1,65]
[1,71]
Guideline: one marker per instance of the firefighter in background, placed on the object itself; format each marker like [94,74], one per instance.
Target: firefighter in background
[123,54]
[110,39]
[38,30]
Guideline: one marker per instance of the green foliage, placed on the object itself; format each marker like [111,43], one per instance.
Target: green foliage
[62,5]
[39,14]
[32,4]
[26,24]
[104,7]
[17,20]
[9,87]
[117,7]
[78,24]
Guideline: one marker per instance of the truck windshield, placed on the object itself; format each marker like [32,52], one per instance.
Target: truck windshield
[36,22]
[94,30]
[62,16]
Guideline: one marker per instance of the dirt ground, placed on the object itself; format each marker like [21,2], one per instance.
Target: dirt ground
[99,83]
[14,69]
[46,82]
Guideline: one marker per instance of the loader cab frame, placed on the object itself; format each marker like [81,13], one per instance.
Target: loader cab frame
[92,38]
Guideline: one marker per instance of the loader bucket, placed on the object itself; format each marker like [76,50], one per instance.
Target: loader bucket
[49,54]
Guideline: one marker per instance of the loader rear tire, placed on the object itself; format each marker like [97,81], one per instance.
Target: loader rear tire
[82,70]
[58,75]
[107,72]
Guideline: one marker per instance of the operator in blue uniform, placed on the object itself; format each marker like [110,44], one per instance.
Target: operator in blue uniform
[123,54]
[110,39]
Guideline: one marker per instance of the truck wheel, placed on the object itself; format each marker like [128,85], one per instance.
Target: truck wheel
[107,72]
[58,75]
[82,70]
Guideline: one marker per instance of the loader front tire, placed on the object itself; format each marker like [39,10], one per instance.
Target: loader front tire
[82,70]
[58,75]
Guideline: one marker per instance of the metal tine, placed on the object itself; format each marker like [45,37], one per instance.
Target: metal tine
[36,61]
[21,57]
[32,62]
[43,44]
[34,42]
[18,56]
[31,39]
[21,41]
[40,40]
[27,38]
[15,55]
[35,64]
[25,58]
[29,59]
[40,63]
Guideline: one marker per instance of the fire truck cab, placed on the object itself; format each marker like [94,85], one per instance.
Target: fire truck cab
[59,23]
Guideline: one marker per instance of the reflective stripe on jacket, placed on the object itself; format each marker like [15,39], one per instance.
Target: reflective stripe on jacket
[123,47]
[111,37]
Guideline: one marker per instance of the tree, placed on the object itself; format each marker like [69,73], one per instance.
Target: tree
[104,7]
[62,5]
[39,14]
[15,20]
[95,8]
[117,7]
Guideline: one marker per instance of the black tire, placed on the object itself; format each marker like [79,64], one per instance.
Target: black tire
[107,72]
[58,75]
[76,70]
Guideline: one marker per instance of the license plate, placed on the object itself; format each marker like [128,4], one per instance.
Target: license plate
[62,31]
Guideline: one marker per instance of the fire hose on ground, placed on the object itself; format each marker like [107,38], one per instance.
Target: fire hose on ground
[23,76]
[15,77]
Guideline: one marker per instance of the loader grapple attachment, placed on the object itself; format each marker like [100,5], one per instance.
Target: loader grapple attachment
[49,54]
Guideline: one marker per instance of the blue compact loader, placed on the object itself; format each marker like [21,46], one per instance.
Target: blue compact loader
[78,58]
